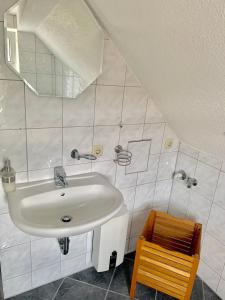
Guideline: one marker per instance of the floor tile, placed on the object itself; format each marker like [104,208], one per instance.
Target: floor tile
[209,294]
[144,292]
[122,278]
[45,292]
[75,290]
[115,296]
[91,276]
[161,296]
[197,292]
[130,255]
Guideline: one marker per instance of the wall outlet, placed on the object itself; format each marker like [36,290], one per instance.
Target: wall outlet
[168,143]
[97,150]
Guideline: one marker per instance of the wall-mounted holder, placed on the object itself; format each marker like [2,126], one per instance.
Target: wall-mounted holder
[181,175]
[76,155]
[123,157]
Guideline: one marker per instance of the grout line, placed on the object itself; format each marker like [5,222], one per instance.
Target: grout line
[203,291]
[93,125]
[62,147]
[110,283]
[58,289]
[83,282]
[26,132]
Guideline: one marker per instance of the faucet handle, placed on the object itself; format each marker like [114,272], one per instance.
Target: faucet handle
[75,154]
[59,171]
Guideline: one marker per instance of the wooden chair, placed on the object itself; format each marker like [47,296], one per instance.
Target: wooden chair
[167,255]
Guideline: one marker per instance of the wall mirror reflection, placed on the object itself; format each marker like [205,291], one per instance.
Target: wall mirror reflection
[55,54]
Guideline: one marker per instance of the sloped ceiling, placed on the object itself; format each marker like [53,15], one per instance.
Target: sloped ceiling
[177,50]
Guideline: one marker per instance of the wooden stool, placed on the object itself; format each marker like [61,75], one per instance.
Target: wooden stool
[167,255]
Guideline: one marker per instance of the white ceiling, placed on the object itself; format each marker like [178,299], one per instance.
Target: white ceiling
[177,50]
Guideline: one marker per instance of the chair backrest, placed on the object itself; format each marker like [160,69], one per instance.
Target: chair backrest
[174,233]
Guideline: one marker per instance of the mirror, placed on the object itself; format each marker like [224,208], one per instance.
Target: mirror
[56,47]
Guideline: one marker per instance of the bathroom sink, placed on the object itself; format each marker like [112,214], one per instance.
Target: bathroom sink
[40,208]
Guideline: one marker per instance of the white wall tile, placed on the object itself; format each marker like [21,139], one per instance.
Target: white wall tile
[220,191]
[130,133]
[80,111]
[151,174]
[44,252]
[107,168]
[78,169]
[170,134]
[73,265]
[79,138]
[186,163]
[17,285]
[3,201]
[44,148]
[42,111]
[46,275]
[131,79]
[134,105]
[12,108]
[140,150]
[132,244]
[213,253]
[129,196]
[153,115]
[114,67]
[207,180]
[189,150]
[179,200]
[167,163]
[198,208]
[41,174]
[10,234]
[154,132]
[125,180]
[216,224]
[208,275]
[15,261]
[221,289]
[138,220]
[210,160]
[162,193]
[78,246]
[144,196]
[108,137]
[13,146]
[108,105]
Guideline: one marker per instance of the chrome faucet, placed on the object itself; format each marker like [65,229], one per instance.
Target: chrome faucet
[76,155]
[60,177]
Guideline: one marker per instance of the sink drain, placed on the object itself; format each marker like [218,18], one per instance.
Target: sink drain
[66,219]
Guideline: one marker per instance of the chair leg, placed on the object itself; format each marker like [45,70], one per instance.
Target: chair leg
[133,287]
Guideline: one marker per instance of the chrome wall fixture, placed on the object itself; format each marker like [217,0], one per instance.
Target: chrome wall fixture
[76,155]
[181,175]
[64,245]
[123,157]
[60,177]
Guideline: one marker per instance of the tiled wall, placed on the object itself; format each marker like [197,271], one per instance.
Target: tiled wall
[205,204]
[38,133]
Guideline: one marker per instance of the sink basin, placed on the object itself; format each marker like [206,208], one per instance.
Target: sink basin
[40,208]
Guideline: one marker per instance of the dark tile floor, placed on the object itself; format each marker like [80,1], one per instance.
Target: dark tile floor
[111,285]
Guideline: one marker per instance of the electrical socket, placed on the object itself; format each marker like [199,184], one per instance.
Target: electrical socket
[97,150]
[168,143]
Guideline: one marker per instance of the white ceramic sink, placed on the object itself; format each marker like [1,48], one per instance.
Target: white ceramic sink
[89,200]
